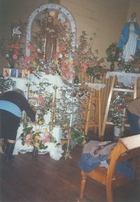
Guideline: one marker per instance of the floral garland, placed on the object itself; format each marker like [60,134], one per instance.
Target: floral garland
[113,53]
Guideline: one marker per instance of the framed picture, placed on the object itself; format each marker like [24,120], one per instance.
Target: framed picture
[24,73]
[6,72]
[19,73]
[13,73]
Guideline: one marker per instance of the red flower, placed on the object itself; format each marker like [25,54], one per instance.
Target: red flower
[54,68]
[28,58]
[31,47]
[84,67]
[16,52]
[34,55]
[61,48]
[66,66]
[12,46]
[15,57]
[17,46]
[74,64]
[30,69]
[57,55]
[113,53]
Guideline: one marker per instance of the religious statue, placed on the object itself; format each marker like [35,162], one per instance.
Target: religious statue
[50,40]
[130,38]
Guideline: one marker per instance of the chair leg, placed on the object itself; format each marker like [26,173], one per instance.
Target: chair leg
[83,184]
[109,193]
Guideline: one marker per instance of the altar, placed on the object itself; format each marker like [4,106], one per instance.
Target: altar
[39,72]
[35,86]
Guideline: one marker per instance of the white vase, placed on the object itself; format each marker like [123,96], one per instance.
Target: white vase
[117,131]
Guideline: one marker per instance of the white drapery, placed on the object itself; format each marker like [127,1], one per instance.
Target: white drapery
[21,83]
[125,78]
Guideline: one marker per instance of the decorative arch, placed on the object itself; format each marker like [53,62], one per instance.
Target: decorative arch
[50,7]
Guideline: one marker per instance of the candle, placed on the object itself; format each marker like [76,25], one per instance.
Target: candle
[28,74]
[71,120]
[124,112]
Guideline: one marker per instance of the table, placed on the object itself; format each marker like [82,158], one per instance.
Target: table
[125,78]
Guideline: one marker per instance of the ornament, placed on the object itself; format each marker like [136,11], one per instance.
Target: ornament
[16,31]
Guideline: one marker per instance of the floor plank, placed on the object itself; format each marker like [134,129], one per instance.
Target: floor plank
[42,179]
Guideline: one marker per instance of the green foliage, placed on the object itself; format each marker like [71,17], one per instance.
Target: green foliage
[6,83]
[94,71]
[76,136]
[113,52]
[115,118]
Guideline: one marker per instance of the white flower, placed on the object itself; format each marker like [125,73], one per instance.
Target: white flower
[7,55]
[61,55]
[38,50]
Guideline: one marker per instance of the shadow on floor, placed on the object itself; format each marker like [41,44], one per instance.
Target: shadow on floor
[108,135]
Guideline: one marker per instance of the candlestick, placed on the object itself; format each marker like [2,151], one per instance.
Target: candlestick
[28,74]
[124,112]
[71,117]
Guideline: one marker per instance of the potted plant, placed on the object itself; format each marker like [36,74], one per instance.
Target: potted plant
[113,54]
[94,72]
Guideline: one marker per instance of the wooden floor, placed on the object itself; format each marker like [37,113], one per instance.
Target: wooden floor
[42,179]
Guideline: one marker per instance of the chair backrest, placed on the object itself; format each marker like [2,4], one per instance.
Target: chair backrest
[126,148]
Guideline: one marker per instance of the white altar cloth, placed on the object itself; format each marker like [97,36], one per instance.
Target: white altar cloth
[96,86]
[125,78]
[21,83]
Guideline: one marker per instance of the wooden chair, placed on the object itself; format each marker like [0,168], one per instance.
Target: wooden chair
[126,148]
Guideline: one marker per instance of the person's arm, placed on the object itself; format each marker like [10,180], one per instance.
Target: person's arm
[30,112]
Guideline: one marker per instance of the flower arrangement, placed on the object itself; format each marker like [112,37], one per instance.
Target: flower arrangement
[76,136]
[131,65]
[12,49]
[113,53]
[115,118]
[41,105]
[94,71]
[86,59]
[35,138]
